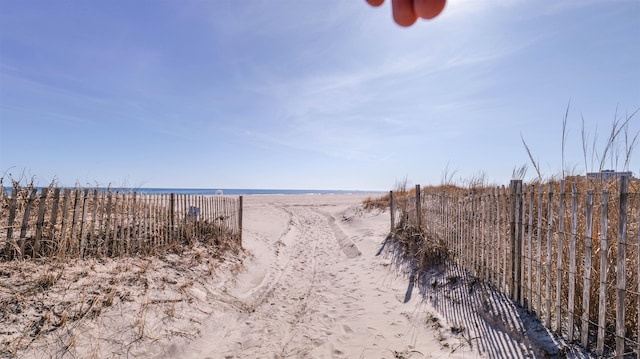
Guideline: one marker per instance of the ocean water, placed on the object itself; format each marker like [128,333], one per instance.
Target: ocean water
[229,191]
[236,191]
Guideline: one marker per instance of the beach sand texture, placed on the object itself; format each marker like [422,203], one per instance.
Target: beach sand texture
[315,288]
[311,284]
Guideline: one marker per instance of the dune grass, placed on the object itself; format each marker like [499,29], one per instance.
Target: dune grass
[560,257]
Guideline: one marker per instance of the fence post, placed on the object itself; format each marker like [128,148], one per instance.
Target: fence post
[81,234]
[418,207]
[240,221]
[502,239]
[515,202]
[530,249]
[604,268]
[63,243]
[392,211]
[12,216]
[572,260]
[484,267]
[588,250]
[75,208]
[172,212]
[133,242]
[473,233]
[492,228]
[25,221]
[116,208]
[547,289]
[621,280]
[522,208]
[539,252]
[559,276]
[40,222]
[54,217]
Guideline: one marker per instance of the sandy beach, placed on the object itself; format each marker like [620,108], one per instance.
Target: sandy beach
[312,282]
[316,289]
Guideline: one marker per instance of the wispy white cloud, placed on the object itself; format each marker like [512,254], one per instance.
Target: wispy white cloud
[346,101]
[348,110]
[13,113]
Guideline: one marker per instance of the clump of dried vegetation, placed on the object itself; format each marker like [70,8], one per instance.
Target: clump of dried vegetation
[414,249]
[380,203]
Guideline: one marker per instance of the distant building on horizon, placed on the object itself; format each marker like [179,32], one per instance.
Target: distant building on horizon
[607,174]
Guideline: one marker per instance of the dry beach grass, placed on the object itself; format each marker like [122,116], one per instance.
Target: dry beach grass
[565,263]
[106,307]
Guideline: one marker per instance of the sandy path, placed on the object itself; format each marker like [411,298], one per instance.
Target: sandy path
[315,289]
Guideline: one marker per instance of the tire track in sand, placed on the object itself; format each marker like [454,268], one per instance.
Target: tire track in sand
[297,308]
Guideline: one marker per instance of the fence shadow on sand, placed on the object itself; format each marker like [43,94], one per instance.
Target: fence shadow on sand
[489,321]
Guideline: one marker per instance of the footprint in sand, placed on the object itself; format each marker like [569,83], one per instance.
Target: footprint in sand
[347,329]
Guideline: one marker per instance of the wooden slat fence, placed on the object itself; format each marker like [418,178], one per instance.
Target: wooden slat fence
[83,222]
[566,251]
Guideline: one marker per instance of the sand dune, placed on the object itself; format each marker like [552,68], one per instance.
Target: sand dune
[312,283]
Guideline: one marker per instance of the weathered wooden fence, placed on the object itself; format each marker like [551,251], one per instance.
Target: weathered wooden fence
[81,222]
[567,251]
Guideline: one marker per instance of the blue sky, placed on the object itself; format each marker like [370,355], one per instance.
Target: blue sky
[306,94]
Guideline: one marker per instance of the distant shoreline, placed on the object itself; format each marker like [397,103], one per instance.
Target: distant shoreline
[225,191]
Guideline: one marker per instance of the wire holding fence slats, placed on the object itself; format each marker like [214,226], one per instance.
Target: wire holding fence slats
[568,251]
[81,222]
